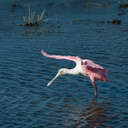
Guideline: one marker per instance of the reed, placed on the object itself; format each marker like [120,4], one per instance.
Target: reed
[31,20]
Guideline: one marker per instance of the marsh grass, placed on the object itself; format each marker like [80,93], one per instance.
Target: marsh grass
[122,5]
[32,19]
[15,5]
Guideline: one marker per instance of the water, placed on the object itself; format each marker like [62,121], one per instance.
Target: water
[73,28]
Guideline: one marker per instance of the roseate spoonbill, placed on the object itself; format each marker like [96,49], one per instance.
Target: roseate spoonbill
[85,67]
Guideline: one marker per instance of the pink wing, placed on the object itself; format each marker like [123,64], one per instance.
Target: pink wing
[90,65]
[72,58]
[94,71]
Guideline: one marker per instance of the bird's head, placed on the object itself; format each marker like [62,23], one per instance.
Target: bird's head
[61,71]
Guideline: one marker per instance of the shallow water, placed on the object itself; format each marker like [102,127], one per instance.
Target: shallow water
[73,28]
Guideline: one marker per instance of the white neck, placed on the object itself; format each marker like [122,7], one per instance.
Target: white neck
[70,71]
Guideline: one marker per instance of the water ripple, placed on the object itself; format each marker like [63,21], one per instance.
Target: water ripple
[27,102]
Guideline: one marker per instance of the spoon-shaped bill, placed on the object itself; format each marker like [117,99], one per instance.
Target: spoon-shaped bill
[50,82]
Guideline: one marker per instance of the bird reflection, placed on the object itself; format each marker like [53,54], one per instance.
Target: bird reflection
[93,116]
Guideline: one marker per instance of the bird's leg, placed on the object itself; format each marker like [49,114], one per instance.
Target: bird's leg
[94,85]
[95,88]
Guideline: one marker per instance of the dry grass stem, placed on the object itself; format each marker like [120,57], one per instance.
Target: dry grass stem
[31,20]
[40,17]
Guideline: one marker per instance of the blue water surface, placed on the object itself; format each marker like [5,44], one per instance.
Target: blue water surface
[75,27]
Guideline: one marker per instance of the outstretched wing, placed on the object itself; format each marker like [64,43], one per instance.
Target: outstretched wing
[72,58]
[94,71]
[91,66]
